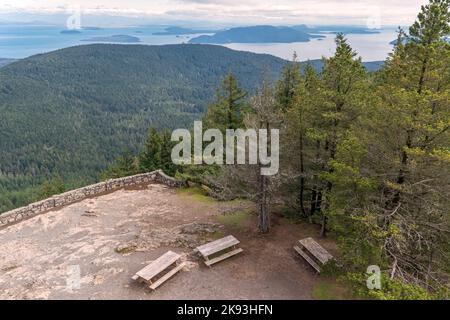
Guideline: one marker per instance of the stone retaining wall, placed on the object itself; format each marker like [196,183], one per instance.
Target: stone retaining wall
[76,195]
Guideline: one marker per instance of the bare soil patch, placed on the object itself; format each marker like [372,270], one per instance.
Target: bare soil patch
[112,236]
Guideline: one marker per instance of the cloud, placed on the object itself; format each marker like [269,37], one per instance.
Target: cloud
[234,11]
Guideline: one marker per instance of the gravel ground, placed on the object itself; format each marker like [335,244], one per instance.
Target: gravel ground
[106,239]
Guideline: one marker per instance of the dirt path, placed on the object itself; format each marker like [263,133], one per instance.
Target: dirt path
[111,237]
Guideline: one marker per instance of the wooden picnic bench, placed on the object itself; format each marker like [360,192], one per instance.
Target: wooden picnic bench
[313,253]
[210,250]
[150,273]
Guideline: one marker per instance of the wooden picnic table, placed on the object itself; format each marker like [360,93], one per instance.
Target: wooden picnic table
[212,248]
[313,253]
[157,267]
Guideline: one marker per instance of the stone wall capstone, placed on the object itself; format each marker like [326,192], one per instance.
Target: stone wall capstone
[76,195]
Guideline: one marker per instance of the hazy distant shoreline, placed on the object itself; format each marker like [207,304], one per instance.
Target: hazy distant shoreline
[28,40]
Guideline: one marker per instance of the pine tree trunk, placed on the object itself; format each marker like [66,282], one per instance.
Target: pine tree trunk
[316,193]
[302,179]
[323,229]
[403,168]
[313,201]
[264,222]
[263,206]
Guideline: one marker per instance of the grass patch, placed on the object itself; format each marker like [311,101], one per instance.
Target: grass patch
[238,220]
[218,234]
[196,193]
[330,290]
[292,215]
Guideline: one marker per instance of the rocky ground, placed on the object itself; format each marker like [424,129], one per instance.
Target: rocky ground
[106,239]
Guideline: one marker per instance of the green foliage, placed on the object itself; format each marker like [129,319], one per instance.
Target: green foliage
[125,165]
[330,290]
[228,109]
[288,84]
[200,174]
[76,110]
[51,187]
[332,269]
[237,220]
[370,156]
[432,23]
[365,155]
[196,193]
[391,289]
[157,153]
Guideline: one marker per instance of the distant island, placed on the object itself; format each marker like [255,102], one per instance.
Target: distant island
[405,41]
[92,28]
[336,29]
[115,39]
[177,31]
[70,31]
[256,34]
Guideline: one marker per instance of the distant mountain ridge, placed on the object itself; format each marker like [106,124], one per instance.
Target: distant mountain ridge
[336,29]
[72,111]
[277,34]
[256,34]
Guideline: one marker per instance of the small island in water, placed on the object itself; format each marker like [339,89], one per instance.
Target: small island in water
[120,38]
[278,34]
[70,31]
[177,31]
[257,34]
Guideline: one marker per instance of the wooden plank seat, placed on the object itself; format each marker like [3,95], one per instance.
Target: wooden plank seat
[313,253]
[150,273]
[307,258]
[224,256]
[226,246]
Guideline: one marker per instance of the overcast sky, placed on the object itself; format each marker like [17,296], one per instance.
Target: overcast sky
[388,12]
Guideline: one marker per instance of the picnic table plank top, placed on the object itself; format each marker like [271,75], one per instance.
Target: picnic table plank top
[217,246]
[158,265]
[316,250]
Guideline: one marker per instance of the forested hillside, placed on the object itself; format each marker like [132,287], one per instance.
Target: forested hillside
[67,114]
[72,111]
[364,156]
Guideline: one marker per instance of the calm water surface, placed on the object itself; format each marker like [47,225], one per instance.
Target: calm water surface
[23,41]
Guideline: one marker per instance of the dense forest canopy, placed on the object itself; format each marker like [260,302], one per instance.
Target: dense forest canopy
[72,111]
[365,156]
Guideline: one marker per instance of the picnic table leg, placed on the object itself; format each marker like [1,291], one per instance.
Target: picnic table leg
[206,259]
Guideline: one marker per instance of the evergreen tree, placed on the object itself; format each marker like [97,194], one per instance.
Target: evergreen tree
[287,85]
[125,165]
[390,174]
[167,164]
[54,186]
[157,153]
[414,90]
[344,95]
[150,159]
[227,112]
[246,180]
